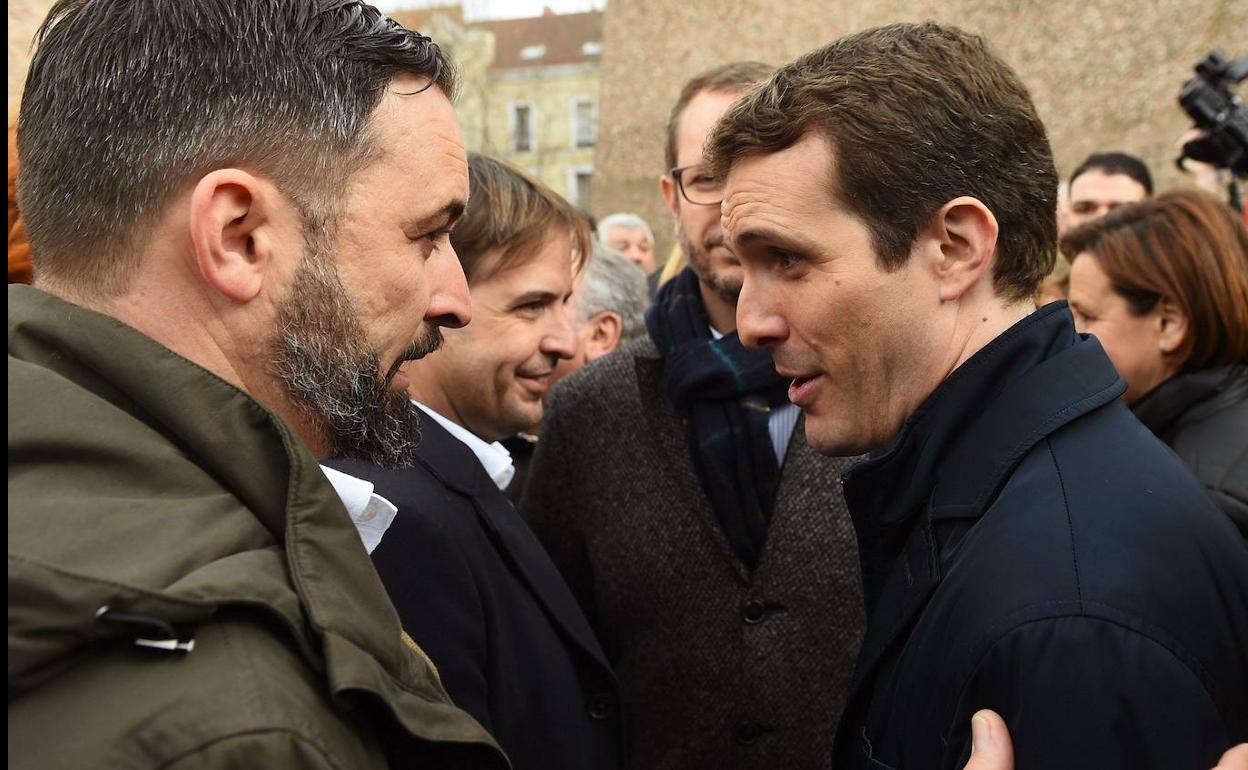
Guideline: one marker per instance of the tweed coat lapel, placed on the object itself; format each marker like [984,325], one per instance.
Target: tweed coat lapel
[668,431]
[804,487]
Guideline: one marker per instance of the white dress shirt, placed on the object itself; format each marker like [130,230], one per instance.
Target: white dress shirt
[494,456]
[371,513]
[780,423]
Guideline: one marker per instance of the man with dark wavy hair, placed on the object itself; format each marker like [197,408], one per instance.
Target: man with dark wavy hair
[1027,545]
[242,214]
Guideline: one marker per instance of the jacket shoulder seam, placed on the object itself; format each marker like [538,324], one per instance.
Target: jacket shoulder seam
[1070,525]
[1176,651]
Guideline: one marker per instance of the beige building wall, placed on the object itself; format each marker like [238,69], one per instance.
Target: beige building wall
[1105,74]
[25,16]
[551,92]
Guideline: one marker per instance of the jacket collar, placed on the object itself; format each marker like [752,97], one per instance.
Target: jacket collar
[453,464]
[1032,379]
[318,581]
[954,454]
[1164,408]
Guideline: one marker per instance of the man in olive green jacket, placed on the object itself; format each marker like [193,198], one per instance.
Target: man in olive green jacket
[153,505]
[240,212]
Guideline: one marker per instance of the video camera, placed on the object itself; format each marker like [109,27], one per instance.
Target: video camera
[1219,113]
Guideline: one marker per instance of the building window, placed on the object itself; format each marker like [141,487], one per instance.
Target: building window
[532,52]
[581,182]
[522,127]
[584,123]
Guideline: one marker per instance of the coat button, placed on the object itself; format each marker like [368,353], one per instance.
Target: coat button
[754,611]
[747,734]
[602,705]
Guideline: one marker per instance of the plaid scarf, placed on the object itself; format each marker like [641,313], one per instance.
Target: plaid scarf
[725,393]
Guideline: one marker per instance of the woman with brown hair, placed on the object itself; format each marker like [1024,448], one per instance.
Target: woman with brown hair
[1163,284]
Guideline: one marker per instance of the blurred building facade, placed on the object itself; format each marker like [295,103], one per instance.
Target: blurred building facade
[529,90]
[1104,74]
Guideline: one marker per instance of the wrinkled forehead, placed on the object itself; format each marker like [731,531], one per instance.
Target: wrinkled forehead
[784,185]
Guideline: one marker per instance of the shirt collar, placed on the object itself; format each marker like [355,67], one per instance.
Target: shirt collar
[371,513]
[494,457]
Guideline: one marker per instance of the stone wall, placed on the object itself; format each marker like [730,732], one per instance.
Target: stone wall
[1104,74]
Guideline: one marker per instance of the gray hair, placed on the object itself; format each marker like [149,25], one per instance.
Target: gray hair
[629,221]
[614,283]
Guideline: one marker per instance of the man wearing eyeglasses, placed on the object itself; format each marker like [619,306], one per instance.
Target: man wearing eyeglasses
[707,542]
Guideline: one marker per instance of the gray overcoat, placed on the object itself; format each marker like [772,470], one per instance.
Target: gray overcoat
[718,667]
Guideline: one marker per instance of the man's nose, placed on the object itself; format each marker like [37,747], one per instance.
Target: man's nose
[559,338]
[759,325]
[449,302]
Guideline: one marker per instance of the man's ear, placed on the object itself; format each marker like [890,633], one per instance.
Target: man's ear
[667,186]
[1173,325]
[231,221]
[962,241]
[604,337]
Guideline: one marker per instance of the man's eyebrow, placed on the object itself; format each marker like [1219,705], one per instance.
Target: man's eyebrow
[531,297]
[444,217]
[752,235]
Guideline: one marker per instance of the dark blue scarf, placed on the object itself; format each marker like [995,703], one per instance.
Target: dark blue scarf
[726,393]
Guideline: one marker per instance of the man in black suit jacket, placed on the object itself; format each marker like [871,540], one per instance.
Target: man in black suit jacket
[472,585]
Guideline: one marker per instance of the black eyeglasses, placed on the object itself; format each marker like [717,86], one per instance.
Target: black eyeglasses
[697,186]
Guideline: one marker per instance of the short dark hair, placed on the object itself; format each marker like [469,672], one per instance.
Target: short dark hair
[916,115]
[511,212]
[1185,246]
[129,100]
[733,77]
[1116,163]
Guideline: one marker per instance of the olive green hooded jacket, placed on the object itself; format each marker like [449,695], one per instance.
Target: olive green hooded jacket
[153,505]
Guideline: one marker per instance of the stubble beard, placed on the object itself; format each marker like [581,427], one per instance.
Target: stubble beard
[700,260]
[332,375]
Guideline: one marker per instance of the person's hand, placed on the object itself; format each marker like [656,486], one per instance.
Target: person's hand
[991,748]
[1236,758]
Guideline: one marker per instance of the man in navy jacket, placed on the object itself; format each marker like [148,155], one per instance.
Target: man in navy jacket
[1027,545]
[471,583]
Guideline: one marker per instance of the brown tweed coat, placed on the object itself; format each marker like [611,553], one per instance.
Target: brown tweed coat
[718,668]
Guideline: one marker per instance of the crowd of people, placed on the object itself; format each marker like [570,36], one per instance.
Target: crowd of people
[333,444]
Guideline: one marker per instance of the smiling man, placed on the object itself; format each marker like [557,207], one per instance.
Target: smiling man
[472,584]
[230,276]
[1027,545]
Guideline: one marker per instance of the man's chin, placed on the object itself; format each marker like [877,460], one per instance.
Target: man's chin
[833,440]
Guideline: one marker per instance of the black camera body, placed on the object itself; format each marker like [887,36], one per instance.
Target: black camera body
[1216,110]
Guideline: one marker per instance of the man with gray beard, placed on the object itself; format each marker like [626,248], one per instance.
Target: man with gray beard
[230,276]
[707,542]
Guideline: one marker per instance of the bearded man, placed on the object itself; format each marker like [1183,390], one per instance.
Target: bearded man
[707,542]
[240,243]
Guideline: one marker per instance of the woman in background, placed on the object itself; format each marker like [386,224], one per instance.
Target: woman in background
[1163,284]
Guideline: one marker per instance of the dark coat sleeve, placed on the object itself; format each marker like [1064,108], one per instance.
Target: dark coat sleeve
[430,581]
[547,501]
[1080,692]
